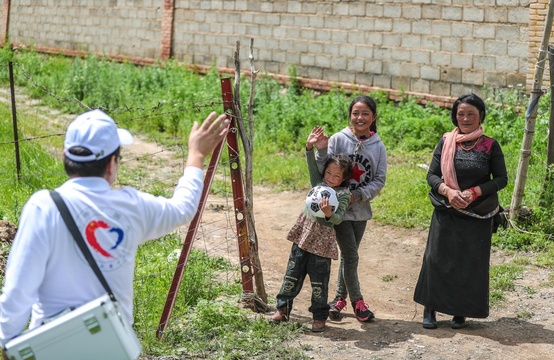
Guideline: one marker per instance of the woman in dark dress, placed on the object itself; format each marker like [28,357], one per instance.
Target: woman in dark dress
[465,175]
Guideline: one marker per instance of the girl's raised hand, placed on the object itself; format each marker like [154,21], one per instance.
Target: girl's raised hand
[322,142]
[317,138]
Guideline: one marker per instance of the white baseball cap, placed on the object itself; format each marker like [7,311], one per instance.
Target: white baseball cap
[97,132]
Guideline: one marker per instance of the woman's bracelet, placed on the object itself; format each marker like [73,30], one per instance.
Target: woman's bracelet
[443,192]
[474,193]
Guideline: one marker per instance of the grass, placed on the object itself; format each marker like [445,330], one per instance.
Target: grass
[388,278]
[217,330]
[38,169]
[161,102]
[502,279]
[405,182]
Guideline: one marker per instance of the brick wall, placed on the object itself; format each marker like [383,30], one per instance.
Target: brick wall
[438,49]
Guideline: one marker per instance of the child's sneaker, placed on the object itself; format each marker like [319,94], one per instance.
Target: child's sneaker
[362,312]
[281,315]
[318,325]
[336,306]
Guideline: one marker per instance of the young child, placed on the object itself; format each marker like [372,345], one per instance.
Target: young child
[362,143]
[314,240]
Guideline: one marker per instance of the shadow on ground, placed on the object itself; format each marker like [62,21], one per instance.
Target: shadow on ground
[380,333]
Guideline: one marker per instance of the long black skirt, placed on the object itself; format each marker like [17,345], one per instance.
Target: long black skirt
[454,277]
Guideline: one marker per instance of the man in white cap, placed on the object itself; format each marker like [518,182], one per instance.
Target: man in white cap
[46,271]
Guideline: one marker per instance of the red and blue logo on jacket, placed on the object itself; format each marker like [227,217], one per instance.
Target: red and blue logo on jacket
[107,243]
[90,233]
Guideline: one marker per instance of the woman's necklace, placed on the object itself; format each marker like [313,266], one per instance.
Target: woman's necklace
[469,145]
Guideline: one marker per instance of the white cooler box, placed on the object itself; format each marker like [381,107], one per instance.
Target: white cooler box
[93,331]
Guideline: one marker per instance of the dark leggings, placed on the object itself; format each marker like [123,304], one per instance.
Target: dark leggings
[349,237]
[300,264]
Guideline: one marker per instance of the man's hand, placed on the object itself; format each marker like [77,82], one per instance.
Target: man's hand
[204,138]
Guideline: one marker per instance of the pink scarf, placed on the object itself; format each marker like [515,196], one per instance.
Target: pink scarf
[451,139]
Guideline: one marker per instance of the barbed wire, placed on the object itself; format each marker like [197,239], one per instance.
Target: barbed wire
[37,85]
[35,171]
[32,138]
[195,104]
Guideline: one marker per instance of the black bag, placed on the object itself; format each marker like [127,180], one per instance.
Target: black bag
[440,202]
[485,205]
[499,220]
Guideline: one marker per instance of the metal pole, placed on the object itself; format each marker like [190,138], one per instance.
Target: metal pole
[187,244]
[14,120]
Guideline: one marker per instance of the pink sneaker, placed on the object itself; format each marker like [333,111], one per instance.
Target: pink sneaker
[336,306]
[362,312]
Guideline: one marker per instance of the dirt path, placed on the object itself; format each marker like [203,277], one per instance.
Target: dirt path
[389,265]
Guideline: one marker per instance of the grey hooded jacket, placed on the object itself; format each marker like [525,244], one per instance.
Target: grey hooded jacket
[369,171]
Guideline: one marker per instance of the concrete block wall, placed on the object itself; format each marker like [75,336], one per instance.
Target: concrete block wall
[128,28]
[435,48]
[443,47]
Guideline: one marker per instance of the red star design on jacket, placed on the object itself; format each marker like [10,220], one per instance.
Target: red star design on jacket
[357,172]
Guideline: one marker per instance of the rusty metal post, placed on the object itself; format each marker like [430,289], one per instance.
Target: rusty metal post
[238,192]
[187,244]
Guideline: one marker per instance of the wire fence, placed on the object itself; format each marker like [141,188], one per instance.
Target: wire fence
[146,165]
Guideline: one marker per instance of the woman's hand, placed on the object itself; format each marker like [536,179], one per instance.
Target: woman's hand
[457,199]
[471,194]
[468,196]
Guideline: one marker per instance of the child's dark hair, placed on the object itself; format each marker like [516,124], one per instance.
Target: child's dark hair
[345,163]
[370,102]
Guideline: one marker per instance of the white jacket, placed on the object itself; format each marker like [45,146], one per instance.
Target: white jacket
[47,273]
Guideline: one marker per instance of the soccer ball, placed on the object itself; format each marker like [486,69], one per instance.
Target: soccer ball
[314,197]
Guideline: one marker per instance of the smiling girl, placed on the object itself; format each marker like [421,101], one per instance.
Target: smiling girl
[314,240]
[364,146]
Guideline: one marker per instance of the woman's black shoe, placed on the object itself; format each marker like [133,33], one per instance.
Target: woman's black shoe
[458,322]
[429,318]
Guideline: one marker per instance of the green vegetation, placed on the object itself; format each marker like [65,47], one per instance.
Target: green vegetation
[502,279]
[387,278]
[162,101]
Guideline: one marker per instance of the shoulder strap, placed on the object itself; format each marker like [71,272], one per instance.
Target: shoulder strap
[70,223]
